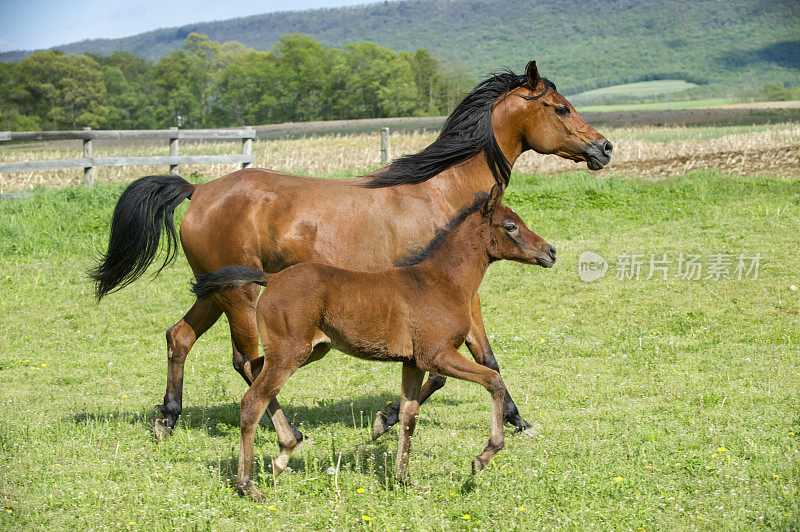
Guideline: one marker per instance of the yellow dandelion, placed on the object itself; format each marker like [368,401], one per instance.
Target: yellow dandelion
[618,479]
[647,467]
[271,508]
[43,364]
[366,518]
[124,396]
[775,476]
[721,449]
[713,455]
[360,490]
[465,517]
[521,509]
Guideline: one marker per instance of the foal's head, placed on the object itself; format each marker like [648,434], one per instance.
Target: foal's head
[510,239]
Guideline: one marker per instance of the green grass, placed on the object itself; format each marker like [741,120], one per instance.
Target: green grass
[659,405]
[656,106]
[640,89]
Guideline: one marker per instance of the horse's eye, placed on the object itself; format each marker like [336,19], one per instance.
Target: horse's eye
[563,110]
[510,227]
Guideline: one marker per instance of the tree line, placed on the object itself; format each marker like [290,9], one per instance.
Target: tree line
[208,84]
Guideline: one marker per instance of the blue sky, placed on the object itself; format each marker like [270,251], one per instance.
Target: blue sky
[33,24]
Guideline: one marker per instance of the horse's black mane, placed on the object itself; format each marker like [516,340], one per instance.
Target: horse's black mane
[417,255]
[466,133]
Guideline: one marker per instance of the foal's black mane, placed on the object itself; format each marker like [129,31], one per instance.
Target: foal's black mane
[466,133]
[417,255]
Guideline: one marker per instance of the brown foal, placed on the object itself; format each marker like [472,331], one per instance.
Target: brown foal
[270,220]
[418,314]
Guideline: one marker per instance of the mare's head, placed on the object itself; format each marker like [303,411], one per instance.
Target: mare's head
[509,238]
[549,123]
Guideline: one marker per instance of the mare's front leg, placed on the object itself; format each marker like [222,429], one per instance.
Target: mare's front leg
[451,363]
[180,339]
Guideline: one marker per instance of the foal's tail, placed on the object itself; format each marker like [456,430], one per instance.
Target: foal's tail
[227,277]
[145,206]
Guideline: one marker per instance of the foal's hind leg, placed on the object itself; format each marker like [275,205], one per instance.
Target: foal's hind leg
[180,339]
[286,359]
[239,306]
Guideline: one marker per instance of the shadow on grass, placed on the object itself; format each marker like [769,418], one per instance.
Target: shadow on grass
[319,461]
[223,419]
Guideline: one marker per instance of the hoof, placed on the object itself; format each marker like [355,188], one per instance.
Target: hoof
[279,464]
[477,465]
[299,437]
[161,430]
[248,489]
[528,431]
[379,426]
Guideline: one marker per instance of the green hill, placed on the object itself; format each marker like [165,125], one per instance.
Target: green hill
[731,45]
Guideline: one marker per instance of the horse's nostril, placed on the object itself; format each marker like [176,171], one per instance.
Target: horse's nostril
[608,148]
[552,251]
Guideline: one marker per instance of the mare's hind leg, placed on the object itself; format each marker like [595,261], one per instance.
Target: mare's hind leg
[180,339]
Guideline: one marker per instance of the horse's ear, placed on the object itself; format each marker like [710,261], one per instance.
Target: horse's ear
[495,196]
[532,74]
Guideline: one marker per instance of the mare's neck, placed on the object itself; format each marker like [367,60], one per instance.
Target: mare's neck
[457,186]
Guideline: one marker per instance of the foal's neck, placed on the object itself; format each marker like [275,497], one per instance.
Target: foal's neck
[462,258]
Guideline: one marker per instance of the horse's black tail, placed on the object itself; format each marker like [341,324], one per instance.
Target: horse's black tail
[145,206]
[227,277]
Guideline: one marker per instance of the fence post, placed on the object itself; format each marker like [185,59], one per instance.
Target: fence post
[247,148]
[385,155]
[173,152]
[88,171]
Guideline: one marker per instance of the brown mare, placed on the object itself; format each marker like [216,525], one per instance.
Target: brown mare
[270,220]
[418,315]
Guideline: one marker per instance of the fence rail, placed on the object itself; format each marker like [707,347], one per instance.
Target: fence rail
[88,162]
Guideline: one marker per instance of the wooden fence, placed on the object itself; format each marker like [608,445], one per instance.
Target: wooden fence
[88,162]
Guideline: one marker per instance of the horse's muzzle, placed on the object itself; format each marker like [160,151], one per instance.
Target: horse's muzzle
[598,154]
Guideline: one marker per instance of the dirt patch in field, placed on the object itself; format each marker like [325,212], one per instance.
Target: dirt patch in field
[773,151]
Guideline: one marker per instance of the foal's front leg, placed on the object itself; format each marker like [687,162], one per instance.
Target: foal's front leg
[451,363]
[478,344]
[409,409]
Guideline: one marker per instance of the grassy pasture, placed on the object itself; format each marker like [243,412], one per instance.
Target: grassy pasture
[659,404]
[640,89]
[656,106]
